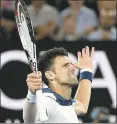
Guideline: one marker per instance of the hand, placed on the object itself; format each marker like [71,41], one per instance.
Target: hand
[34,81]
[85,59]
[69,26]
[105,35]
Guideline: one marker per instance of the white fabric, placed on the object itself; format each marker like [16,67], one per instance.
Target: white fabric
[86,69]
[58,113]
[31,97]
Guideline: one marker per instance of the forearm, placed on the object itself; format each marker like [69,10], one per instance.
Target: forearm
[30,108]
[83,93]
[29,112]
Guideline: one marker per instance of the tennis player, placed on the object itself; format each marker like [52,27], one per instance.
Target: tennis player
[56,70]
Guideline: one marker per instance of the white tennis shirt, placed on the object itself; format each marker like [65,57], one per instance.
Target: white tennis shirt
[59,109]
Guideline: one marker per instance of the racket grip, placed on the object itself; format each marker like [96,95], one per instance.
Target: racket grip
[41,107]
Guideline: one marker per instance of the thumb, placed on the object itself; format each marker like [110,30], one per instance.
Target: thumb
[76,65]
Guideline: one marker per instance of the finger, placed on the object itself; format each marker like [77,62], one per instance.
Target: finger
[32,75]
[31,80]
[79,55]
[31,84]
[92,51]
[87,50]
[39,73]
[37,80]
[35,87]
[83,52]
[37,84]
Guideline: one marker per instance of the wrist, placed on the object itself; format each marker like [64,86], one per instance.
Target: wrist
[31,97]
[86,69]
[86,74]
[32,91]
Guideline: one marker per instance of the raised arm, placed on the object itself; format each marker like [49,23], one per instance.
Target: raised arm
[29,112]
[83,92]
[34,82]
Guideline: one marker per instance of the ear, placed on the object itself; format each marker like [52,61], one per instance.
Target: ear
[49,75]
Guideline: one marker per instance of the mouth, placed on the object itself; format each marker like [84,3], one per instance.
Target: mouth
[72,74]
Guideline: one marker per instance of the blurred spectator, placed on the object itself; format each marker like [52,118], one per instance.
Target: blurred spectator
[100,115]
[8,4]
[108,5]
[104,4]
[44,18]
[82,22]
[105,29]
[3,34]
[9,24]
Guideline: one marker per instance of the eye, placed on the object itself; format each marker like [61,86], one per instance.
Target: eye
[65,65]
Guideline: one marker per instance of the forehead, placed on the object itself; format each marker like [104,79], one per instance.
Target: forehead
[61,60]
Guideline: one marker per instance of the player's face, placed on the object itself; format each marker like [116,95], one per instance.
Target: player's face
[64,71]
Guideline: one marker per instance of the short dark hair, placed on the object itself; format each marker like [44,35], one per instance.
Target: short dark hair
[46,60]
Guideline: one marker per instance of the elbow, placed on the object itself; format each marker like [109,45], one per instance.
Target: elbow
[84,111]
[81,110]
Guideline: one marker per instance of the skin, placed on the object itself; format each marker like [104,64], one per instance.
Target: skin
[62,83]
[75,4]
[37,4]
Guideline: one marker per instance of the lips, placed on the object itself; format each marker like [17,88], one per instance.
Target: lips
[72,74]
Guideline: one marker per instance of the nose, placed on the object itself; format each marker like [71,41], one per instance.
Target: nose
[73,67]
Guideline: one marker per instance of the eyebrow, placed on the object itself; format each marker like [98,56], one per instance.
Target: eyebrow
[66,63]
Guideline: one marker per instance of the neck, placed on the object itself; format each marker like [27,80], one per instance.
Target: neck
[75,12]
[62,90]
[76,9]
[37,8]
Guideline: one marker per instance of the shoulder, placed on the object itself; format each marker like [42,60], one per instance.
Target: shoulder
[87,10]
[65,11]
[49,8]
[49,96]
[96,35]
[29,7]
[113,30]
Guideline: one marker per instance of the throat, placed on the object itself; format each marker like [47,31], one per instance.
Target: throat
[63,90]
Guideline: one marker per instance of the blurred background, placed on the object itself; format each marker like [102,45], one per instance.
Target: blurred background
[72,24]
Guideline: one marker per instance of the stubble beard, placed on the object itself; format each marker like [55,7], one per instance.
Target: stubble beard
[73,80]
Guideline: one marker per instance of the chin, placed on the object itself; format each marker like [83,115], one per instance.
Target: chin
[73,80]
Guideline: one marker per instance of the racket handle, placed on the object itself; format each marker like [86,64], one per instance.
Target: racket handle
[41,107]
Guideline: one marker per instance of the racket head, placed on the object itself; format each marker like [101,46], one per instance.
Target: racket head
[26,32]
[20,7]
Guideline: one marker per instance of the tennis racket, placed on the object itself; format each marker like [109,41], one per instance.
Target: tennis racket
[26,34]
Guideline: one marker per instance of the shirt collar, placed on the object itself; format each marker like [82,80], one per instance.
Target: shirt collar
[61,100]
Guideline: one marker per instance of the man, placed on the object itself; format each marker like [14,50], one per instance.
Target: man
[100,115]
[44,18]
[105,31]
[57,71]
[84,19]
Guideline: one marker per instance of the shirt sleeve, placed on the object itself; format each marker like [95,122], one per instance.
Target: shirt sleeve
[94,36]
[92,18]
[29,112]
